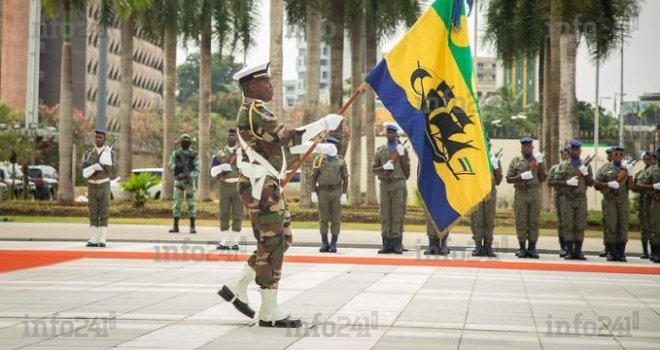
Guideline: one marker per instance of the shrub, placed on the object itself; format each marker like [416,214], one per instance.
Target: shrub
[138,186]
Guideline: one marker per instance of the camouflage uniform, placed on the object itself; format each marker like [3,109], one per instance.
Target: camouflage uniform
[527,205]
[330,173]
[573,206]
[616,208]
[392,196]
[482,220]
[230,202]
[270,216]
[98,193]
[179,160]
[649,177]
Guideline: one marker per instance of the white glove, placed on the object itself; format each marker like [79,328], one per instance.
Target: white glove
[315,197]
[97,167]
[656,186]
[88,171]
[216,170]
[401,150]
[527,175]
[326,148]
[332,121]
[629,168]
[388,166]
[495,162]
[572,181]
[584,170]
[539,157]
[613,184]
[106,156]
[343,199]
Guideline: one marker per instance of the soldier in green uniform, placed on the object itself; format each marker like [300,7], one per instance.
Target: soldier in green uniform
[556,185]
[329,183]
[263,140]
[574,177]
[603,253]
[392,166]
[482,220]
[224,168]
[437,241]
[650,182]
[644,201]
[526,173]
[184,162]
[614,179]
[98,166]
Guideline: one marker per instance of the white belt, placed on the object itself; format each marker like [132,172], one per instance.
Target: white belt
[232,180]
[98,182]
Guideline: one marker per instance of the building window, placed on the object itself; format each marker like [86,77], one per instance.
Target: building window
[324,61]
[324,75]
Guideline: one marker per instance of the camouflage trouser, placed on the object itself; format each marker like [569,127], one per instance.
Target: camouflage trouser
[528,209]
[560,219]
[644,216]
[98,204]
[180,191]
[617,213]
[271,223]
[655,222]
[574,211]
[392,208]
[230,206]
[482,220]
[330,210]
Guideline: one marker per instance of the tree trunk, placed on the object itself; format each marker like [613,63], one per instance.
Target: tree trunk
[126,100]
[337,70]
[355,122]
[169,50]
[370,122]
[568,120]
[553,90]
[312,83]
[204,115]
[276,57]
[65,191]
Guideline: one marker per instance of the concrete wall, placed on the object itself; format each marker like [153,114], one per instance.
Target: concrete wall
[13,73]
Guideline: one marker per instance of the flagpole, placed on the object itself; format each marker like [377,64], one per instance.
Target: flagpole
[357,93]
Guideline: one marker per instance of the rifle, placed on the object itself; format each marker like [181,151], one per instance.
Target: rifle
[183,165]
[622,174]
[586,163]
[499,153]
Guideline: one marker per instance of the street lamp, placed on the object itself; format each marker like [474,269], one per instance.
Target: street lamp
[620,113]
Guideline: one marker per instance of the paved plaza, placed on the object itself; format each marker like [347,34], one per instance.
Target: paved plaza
[146,295]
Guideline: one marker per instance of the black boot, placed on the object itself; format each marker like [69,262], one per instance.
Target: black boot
[611,252]
[192,225]
[444,249]
[434,246]
[478,249]
[603,254]
[522,252]
[656,253]
[577,252]
[645,250]
[562,248]
[325,246]
[333,244]
[621,252]
[387,246]
[569,253]
[488,250]
[397,248]
[531,252]
[175,228]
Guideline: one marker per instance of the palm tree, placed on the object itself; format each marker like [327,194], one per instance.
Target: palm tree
[65,126]
[337,10]
[356,18]
[276,56]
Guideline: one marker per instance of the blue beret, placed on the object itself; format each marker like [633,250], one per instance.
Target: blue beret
[647,154]
[392,127]
[100,131]
[608,150]
[575,143]
[618,149]
[231,130]
[332,139]
[526,140]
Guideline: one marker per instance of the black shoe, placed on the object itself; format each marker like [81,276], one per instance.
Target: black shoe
[102,245]
[242,307]
[603,254]
[192,226]
[333,244]
[387,246]
[645,250]
[222,247]
[90,244]
[478,249]
[284,323]
[562,248]
[175,227]
[611,252]
[235,247]
[489,251]
[325,246]
[569,254]
[621,252]
[577,253]
[397,248]
[531,252]
[434,246]
[522,252]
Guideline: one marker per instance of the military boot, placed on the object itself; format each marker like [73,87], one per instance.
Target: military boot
[611,252]
[387,246]
[444,249]
[531,252]
[333,244]
[434,246]
[645,250]
[175,228]
[603,254]
[325,246]
[577,253]
[397,248]
[569,253]
[235,291]
[522,252]
[192,226]
[621,252]
[562,248]
[478,249]
[488,250]
[656,253]
[272,315]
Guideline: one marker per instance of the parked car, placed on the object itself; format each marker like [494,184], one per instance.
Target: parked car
[117,192]
[292,189]
[16,178]
[45,180]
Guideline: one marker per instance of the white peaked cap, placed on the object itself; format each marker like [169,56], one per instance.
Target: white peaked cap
[252,72]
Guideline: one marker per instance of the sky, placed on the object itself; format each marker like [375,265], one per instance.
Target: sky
[641,57]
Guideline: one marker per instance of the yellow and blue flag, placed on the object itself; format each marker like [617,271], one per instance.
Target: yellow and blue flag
[426,81]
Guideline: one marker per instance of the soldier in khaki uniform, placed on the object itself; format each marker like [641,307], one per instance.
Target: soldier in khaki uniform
[263,139]
[224,168]
[329,184]
[184,162]
[644,201]
[526,173]
[437,242]
[98,166]
[482,220]
[392,166]
[574,177]
[603,253]
[557,186]
[650,182]
[614,179]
